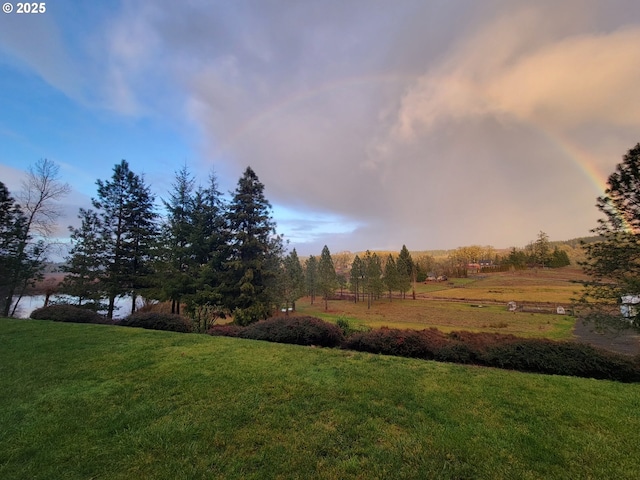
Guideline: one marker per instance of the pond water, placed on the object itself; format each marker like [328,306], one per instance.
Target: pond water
[29,303]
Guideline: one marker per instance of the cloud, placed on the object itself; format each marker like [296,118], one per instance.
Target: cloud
[427,123]
[36,41]
[562,84]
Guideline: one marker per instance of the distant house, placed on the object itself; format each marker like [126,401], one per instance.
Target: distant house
[629,306]
[473,268]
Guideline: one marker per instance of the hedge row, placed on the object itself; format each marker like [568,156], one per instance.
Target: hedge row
[486,349]
[150,320]
[68,313]
[294,330]
[501,351]
[158,321]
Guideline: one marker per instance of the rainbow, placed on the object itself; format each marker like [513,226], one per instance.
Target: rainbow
[581,158]
[586,163]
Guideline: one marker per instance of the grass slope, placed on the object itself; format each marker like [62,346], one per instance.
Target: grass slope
[104,402]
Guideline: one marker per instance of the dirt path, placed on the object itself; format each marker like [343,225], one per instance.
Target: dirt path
[626,342]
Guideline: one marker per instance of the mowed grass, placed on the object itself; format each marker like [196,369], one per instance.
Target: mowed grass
[477,304]
[104,402]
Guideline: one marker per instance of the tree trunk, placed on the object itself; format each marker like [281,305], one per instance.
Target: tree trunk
[112,301]
[133,302]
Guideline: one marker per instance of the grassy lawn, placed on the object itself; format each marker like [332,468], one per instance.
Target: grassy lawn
[103,402]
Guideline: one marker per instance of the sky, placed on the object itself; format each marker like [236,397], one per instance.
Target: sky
[371,123]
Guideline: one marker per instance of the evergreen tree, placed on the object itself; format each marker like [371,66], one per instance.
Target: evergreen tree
[210,244]
[255,253]
[373,276]
[176,267]
[293,281]
[406,271]
[559,258]
[542,250]
[391,276]
[311,277]
[613,263]
[517,258]
[355,277]
[327,280]
[12,232]
[85,262]
[124,213]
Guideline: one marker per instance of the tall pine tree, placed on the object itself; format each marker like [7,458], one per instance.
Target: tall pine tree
[292,280]
[125,213]
[86,261]
[311,277]
[13,229]
[356,276]
[406,271]
[255,253]
[613,263]
[327,280]
[391,278]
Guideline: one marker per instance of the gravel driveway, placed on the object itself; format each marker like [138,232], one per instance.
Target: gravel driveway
[625,341]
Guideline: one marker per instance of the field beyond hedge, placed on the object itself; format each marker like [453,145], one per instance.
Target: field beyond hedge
[105,402]
[476,304]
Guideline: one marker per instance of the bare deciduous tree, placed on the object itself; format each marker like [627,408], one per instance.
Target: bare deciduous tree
[41,190]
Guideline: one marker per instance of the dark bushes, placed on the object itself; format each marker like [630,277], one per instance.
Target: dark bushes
[563,358]
[158,321]
[227,330]
[403,343]
[294,330]
[502,351]
[67,313]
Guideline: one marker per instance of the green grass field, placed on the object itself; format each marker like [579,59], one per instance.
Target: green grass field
[104,402]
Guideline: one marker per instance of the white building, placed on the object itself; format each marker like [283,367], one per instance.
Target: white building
[629,305]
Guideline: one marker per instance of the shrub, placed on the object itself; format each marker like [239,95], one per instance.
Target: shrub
[501,351]
[295,330]
[403,343]
[563,358]
[158,321]
[348,328]
[344,325]
[458,352]
[67,313]
[228,330]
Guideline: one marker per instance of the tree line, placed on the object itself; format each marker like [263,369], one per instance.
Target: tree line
[216,257]
[213,256]
[219,257]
